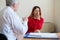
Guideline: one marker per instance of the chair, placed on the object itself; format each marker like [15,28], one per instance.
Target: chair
[3,37]
[48,27]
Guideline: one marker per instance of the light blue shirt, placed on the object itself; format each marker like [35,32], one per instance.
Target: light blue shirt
[9,20]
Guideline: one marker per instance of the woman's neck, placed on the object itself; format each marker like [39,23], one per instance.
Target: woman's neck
[38,17]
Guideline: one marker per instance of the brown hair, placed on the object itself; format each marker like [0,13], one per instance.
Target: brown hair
[32,14]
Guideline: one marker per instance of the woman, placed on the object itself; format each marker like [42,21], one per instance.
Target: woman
[35,21]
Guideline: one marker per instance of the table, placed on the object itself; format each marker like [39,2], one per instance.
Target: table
[58,34]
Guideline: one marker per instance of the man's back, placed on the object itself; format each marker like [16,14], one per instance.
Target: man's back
[11,24]
[5,21]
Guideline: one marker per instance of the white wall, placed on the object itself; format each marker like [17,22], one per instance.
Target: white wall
[50,9]
[25,7]
[2,4]
[57,14]
[47,7]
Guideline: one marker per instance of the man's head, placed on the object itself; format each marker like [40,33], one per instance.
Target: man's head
[12,3]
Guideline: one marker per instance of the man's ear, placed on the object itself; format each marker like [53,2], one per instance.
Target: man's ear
[14,5]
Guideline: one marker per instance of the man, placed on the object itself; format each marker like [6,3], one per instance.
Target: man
[10,24]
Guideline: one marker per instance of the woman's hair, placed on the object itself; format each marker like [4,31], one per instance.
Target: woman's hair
[32,13]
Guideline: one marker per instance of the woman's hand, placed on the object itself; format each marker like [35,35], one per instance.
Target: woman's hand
[37,31]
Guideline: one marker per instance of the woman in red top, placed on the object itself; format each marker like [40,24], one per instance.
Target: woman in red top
[35,21]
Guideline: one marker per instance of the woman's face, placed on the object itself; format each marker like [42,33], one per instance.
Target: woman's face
[36,12]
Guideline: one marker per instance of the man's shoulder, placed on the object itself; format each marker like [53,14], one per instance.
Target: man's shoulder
[4,10]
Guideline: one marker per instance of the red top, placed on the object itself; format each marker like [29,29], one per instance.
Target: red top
[34,24]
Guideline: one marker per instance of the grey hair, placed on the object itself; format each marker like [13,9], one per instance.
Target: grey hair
[11,2]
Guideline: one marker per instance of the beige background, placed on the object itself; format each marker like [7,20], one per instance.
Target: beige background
[50,9]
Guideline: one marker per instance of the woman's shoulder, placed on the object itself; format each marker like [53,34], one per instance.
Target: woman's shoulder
[42,18]
[30,18]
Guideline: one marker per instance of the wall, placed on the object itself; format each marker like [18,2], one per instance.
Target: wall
[47,7]
[50,9]
[57,15]
[25,7]
[2,4]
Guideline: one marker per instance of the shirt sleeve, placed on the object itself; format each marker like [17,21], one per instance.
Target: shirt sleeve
[40,24]
[15,23]
[19,26]
[31,24]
